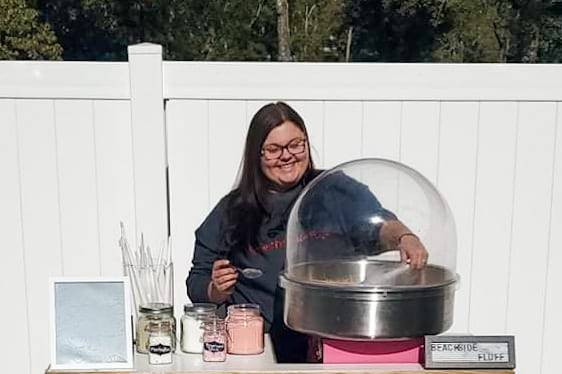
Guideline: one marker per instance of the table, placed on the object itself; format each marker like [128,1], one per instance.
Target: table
[185,363]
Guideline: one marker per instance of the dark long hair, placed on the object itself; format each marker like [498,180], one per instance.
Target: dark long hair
[246,203]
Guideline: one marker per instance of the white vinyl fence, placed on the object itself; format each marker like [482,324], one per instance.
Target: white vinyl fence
[155,144]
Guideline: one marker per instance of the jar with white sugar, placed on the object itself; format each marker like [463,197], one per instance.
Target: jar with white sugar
[192,325]
[152,316]
[160,343]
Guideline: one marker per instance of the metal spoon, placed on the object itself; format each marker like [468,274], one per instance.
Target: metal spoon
[250,273]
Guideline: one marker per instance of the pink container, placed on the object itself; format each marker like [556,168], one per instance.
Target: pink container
[244,329]
[375,352]
[214,340]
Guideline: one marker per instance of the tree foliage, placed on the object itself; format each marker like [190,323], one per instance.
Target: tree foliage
[501,31]
[187,29]
[86,33]
[476,32]
[393,30]
[536,31]
[224,30]
[23,36]
[318,30]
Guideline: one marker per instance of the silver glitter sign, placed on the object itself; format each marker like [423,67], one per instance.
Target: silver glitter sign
[90,323]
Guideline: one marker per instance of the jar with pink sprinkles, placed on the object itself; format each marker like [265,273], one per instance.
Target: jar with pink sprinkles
[214,340]
[244,326]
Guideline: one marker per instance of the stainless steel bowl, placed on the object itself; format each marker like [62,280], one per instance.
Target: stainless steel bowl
[366,299]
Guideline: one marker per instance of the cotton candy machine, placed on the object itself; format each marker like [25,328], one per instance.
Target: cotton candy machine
[344,279]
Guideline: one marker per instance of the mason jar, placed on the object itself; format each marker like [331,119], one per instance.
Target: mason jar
[154,317]
[244,326]
[194,315]
[160,343]
[214,340]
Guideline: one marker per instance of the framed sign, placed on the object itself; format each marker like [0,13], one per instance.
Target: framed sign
[469,352]
[90,321]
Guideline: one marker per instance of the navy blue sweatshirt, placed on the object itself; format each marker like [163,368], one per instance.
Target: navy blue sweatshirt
[270,258]
[339,206]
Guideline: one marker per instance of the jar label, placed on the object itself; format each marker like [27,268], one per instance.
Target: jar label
[214,347]
[160,350]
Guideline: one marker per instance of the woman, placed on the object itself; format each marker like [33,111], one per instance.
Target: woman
[247,227]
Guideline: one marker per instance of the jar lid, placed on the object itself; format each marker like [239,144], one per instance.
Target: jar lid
[156,308]
[200,308]
[253,309]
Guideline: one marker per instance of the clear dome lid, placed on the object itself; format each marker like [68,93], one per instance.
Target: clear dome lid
[338,229]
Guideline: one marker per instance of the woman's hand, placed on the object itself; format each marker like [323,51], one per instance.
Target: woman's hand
[223,279]
[412,251]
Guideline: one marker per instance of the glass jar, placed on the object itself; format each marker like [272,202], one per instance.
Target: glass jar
[214,340]
[153,317]
[244,328]
[160,343]
[194,315]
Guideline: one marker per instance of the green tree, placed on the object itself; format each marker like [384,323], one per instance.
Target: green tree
[319,30]
[23,36]
[316,30]
[501,31]
[224,30]
[536,29]
[102,29]
[477,32]
[550,49]
[393,30]
[187,29]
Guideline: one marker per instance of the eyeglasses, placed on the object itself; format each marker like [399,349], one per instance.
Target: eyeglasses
[274,151]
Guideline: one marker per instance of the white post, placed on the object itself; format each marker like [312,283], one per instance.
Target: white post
[149,143]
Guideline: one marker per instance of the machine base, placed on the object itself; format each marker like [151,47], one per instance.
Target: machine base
[403,351]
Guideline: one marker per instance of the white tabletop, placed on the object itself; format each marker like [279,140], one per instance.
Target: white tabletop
[185,363]
[265,362]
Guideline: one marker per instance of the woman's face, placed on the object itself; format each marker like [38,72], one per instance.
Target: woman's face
[284,155]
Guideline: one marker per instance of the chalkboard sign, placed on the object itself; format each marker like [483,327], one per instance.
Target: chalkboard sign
[469,352]
[90,323]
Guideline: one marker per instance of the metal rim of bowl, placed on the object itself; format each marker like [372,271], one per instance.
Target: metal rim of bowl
[362,292]
[371,293]
[371,288]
